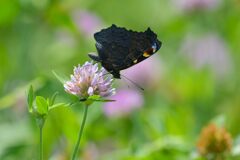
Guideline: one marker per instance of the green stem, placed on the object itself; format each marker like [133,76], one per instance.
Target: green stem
[75,153]
[41,143]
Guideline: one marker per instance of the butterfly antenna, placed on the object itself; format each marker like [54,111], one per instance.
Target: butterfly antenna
[137,85]
[126,82]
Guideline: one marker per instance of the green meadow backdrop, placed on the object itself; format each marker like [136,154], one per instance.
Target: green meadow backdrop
[191,82]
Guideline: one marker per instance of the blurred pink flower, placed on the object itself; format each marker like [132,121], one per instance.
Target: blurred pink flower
[147,73]
[189,5]
[210,51]
[126,102]
[88,23]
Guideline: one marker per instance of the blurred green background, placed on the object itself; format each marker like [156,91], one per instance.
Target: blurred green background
[193,80]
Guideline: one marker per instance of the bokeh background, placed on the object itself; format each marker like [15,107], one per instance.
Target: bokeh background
[191,82]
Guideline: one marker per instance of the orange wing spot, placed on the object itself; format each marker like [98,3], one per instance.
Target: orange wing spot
[146,54]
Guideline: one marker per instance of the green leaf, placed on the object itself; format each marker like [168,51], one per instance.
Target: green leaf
[42,105]
[104,100]
[53,98]
[94,97]
[48,101]
[59,105]
[30,99]
[99,99]
[62,78]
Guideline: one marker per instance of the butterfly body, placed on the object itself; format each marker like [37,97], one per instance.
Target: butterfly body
[119,48]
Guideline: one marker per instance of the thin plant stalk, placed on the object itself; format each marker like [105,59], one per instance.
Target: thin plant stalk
[41,143]
[76,149]
[40,123]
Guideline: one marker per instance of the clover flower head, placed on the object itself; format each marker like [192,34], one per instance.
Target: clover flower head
[214,140]
[88,80]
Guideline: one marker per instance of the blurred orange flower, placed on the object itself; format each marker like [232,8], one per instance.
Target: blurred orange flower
[214,141]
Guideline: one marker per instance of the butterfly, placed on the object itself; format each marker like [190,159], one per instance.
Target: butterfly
[119,48]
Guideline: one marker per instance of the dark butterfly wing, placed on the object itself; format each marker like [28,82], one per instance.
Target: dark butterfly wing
[112,44]
[119,48]
[143,45]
